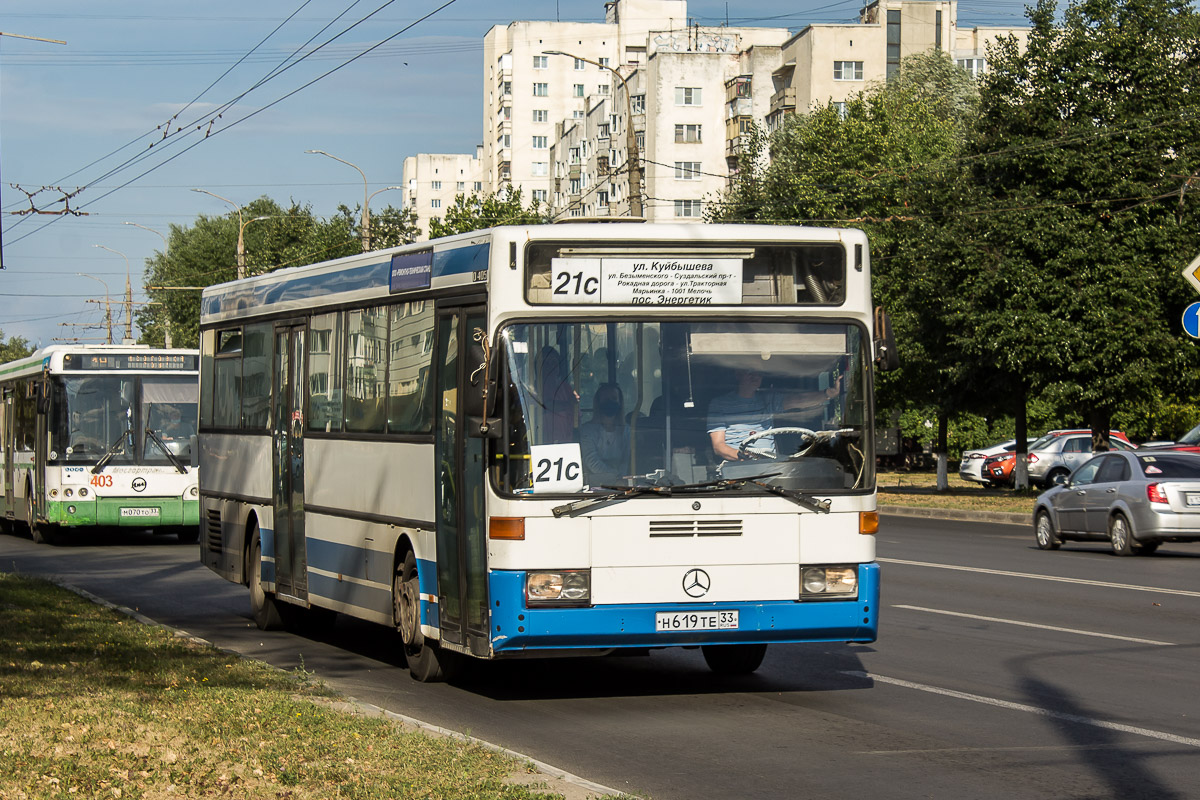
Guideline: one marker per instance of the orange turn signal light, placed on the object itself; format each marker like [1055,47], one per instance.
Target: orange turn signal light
[512,528]
[868,522]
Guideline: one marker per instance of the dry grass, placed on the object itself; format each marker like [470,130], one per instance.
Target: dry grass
[920,489]
[93,704]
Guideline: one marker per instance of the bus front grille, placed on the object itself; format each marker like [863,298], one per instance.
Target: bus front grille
[695,527]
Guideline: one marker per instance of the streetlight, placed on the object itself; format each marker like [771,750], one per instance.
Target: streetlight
[366,212]
[633,157]
[107,303]
[241,247]
[128,294]
[166,312]
[166,244]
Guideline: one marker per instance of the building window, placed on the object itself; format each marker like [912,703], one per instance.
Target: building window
[893,43]
[540,169]
[574,188]
[602,198]
[687,133]
[479,186]
[435,203]
[687,96]
[573,155]
[847,70]
[577,114]
[539,195]
[937,31]
[506,87]
[602,131]
[742,88]
[580,64]
[541,62]
[602,89]
[687,208]
[540,142]
[541,115]
[541,90]
[461,186]
[505,113]
[975,66]
[505,141]
[435,185]
[638,102]
[577,90]
[603,62]
[687,170]
[840,108]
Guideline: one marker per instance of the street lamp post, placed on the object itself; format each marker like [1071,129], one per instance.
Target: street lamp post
[166,313]
[241,247]
[107,303]
[631,147]
[366,212]
[128,296]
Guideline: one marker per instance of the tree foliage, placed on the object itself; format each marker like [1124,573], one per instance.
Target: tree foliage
[472,213]
[13,347]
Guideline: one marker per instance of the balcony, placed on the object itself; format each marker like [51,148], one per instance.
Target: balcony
[783,100]
[740,107]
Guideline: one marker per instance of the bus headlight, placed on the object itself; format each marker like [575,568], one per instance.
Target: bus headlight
[559,587]
[838,582]
[54,492]
[67,493]
[193,491]
[83,491]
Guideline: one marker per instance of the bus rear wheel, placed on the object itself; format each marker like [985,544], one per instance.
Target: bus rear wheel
[406,610]
[733,659]
[262,602]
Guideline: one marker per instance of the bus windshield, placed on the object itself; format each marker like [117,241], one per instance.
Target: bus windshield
[122,416]
[592,406]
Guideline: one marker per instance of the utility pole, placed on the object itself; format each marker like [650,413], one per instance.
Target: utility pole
[34,39]
[128,295]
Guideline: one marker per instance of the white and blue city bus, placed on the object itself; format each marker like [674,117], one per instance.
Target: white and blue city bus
[413,437]
[100,435]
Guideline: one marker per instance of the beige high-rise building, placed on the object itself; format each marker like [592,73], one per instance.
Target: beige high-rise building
[565,102]
[433,180]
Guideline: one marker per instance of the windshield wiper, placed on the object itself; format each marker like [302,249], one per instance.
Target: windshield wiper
[150,432]
[111,452]
[577,507]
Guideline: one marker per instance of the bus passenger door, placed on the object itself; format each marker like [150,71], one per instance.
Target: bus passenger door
[291,578]
[461,516]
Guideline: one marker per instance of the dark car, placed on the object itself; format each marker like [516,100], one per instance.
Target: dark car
[1134,500]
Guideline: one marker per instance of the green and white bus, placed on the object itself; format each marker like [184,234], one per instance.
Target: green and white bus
[100,435]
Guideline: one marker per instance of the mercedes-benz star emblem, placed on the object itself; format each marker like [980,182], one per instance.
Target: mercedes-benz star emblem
[139,484]
[696,583]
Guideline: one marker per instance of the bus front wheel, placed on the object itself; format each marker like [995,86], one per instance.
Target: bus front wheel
[406,610]
[262,602]
[40,532]
[733,659]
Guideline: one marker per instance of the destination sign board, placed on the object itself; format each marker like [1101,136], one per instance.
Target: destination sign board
[129,361]
[685,281]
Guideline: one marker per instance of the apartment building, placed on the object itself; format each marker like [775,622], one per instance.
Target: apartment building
[433,180]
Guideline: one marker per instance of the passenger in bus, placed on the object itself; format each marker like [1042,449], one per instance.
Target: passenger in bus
[558,398]
[736,416]
[604,439]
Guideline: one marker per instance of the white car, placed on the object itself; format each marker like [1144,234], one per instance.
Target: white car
[971,466]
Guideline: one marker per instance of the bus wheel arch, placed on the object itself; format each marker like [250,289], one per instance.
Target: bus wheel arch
[262,602]
[422,655]
[40,533]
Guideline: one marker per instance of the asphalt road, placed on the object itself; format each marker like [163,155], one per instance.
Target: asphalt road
[1001,671]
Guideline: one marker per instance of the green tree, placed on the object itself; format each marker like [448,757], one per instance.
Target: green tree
[1089,153]
[12,348]
[205,253]
[390,227]
[472,213]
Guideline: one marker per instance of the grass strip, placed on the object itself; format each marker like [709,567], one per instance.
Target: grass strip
[94,704]
[919,489]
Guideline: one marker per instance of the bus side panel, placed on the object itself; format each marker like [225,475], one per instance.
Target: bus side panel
[387,479]
[350,565]
[235,486]
[234,465]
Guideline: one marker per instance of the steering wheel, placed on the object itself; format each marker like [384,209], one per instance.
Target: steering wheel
[807,436]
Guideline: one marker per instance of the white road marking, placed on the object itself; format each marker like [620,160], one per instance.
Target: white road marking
[1034,576]
[1034,625]
[1028,709]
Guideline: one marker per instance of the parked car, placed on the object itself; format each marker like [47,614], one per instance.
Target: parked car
[1135,500]
[1051,457]
[1188,443]
[971,466]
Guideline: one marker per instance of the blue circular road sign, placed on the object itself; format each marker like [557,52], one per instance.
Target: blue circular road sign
[1191,320]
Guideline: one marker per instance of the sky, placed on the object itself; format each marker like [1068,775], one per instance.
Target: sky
[88,118]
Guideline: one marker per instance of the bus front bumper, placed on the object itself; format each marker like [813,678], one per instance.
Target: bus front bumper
[517,628]
[138,512]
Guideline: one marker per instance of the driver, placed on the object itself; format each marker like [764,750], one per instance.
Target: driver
[736,416]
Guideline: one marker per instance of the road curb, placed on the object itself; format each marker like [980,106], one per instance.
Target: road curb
[1000,517]
[575,788]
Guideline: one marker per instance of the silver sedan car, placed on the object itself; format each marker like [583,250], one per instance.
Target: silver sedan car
[1135,501]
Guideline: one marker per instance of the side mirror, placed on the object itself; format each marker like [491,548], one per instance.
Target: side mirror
[886,356]
[1062,480]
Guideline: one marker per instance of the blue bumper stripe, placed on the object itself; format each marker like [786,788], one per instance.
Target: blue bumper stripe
[516,628]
